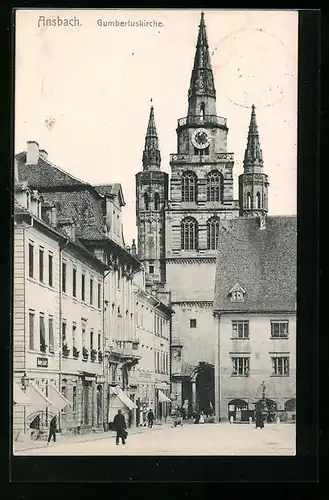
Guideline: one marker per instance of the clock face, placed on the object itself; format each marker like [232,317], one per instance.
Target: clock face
[200,138]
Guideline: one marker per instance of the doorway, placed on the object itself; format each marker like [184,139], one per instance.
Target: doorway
[205,388]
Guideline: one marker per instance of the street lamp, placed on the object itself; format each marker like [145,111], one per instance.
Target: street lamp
[25,381]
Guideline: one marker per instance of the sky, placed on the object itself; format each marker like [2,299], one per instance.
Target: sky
[83,92]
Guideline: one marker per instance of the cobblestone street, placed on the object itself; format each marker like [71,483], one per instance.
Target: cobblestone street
[208,439]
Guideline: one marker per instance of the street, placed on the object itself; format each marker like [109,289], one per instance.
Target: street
[207,439]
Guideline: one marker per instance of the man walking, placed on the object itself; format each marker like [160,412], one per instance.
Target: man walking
[52,430]
[150,418]
[120,427]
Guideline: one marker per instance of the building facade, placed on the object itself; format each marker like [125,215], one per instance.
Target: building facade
[153,319]
[178,229]
[57,317]
[255,312]
[95,302]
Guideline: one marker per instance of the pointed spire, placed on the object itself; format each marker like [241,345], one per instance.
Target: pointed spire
[202,80]
[151,153]
[253,155]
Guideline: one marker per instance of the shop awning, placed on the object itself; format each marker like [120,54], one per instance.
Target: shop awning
[123,397]
[19,397]
[39,400]
[59,402]
[163,398]
[162,385]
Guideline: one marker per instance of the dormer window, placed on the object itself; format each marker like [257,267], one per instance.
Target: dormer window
[237,293]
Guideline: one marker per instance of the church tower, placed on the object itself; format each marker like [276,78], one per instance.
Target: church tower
[151,198]
[253,183]
[201,196]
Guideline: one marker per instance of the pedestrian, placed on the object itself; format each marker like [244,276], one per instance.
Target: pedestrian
[259,419]
[201,419]
[119,424]
[150,418]
[52,430]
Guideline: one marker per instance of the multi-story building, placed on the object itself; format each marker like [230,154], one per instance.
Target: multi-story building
[178,228]
[96,304]
[153,319]
[56,313]
[255,311]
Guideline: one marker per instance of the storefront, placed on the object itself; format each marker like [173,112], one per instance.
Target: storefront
[120,401]
[162,401]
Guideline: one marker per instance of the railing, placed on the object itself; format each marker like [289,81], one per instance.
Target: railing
[202,120]
[202,159]
[128,348]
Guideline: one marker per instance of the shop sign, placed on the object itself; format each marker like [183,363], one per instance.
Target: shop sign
[42,362]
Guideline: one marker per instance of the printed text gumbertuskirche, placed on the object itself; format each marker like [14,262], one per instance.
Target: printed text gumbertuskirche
[130,24]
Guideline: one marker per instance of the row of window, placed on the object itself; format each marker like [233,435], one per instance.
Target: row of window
[42,259]
[190,230]
[50,282]
[37,341]
[94,344]
[161,361]
[240,328]
[83,291]
[241,366]
[45,337]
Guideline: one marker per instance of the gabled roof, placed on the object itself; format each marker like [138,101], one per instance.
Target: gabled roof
[263,262]
[111,190]
[45,175]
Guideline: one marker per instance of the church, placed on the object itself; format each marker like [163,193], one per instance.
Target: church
[179,219]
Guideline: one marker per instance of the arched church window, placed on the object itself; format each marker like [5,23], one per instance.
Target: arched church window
[248,200]
[146,201]
[214,186]
[189,234]
[258,200]
[212,233]
[189,186]
[202,111]
[156,201]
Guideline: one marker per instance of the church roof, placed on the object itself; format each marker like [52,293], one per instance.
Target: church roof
[262,261]
[151,153]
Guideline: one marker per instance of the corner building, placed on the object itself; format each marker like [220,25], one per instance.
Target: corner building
[178,231]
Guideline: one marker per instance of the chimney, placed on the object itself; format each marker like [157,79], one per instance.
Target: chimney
[32,153]
[262,222]
[43,154]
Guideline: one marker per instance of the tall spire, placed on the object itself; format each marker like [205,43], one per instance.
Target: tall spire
[253,156]
[202,80]
[151,153]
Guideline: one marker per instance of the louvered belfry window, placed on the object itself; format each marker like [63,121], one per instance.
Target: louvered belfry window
[189,234]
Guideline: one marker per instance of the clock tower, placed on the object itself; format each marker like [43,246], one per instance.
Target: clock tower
[201,195]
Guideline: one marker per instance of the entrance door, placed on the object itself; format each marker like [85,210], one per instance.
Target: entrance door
[238,409]
[205,388]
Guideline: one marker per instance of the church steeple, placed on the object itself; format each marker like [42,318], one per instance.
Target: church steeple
[151,153]
[202,79]
[202,93]
[253,183]
[253,156]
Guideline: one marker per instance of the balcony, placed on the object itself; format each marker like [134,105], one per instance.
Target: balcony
[202,120]
[128,349]
[218,157]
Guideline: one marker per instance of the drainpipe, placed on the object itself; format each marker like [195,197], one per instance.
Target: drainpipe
[217,372]
[60,349]
[105,366]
